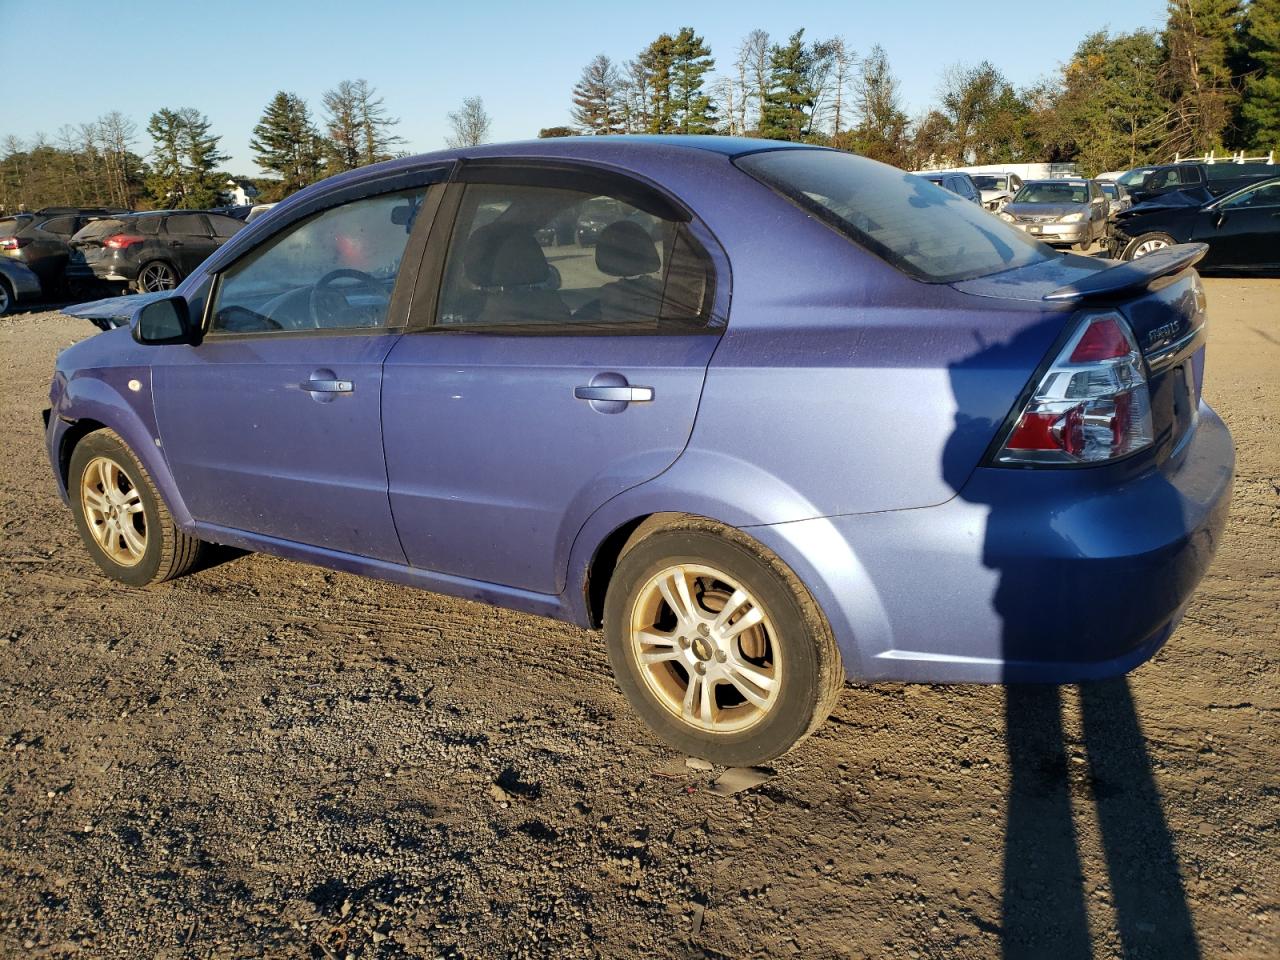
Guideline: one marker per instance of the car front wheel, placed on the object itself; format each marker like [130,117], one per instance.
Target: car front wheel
[121,517]
[717,644]
[156,276]
[1147,243]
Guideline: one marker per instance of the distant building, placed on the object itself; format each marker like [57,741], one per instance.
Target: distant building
[239,193]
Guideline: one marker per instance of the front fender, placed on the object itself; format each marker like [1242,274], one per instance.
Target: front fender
[106,397]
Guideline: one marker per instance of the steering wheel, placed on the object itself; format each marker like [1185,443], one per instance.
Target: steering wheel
[329,306]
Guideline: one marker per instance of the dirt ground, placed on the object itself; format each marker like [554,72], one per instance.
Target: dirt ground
[268,759]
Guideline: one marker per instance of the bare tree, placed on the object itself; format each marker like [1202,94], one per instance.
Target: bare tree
[842,63]
[754,55]
[470,124]
[357,126]
[634,91]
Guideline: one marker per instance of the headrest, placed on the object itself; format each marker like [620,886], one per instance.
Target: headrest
[625,249]
[504,255]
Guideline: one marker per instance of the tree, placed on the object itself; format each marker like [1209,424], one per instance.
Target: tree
[788,102]
[755,54]
[881,129]
[185,156]
[842,64]
[470,124]
[692,110]
[1198,37]
[968,95]
[286,142]
[549,132]
[655,64]
[358,129]
[1259,115]
[596,98]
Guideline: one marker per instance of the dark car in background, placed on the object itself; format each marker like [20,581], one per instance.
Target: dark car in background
[39,240]
[1242,229]
[1218,179]
[17,285]
[1070,212]
[960,184]
[148,251]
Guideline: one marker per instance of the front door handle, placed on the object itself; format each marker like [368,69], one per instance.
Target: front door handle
[328,386]
[622,394]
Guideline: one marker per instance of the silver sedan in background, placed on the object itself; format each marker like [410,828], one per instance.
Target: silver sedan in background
[1068,212]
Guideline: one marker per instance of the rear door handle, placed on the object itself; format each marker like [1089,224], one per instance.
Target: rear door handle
[622,394]
[328,386]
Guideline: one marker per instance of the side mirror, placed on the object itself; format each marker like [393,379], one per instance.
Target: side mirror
[165,321]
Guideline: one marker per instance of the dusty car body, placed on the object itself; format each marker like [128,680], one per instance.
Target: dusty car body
[997,188]
[18,284]
[889,438]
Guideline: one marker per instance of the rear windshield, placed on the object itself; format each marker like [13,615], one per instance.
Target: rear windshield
[923,230]
[1051,192]
[1229,171]
[100,228]
[11,225]
[990,183]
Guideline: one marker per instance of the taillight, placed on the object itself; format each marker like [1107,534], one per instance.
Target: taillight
[13,243]
[119,241]
[1091,405]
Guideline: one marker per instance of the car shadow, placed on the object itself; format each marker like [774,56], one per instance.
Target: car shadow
[1046,899]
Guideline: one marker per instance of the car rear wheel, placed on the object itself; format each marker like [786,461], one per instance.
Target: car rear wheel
[156,276]
[1147,243]
[718,645]
[6,297]
[121,516]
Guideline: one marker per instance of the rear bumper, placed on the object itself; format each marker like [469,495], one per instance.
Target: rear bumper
[107,270]
[1051,576]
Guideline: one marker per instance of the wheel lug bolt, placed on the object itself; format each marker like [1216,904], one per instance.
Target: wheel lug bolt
[700,668]
[721,656]
[684,643]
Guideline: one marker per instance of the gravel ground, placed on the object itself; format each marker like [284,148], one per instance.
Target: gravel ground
[268,759]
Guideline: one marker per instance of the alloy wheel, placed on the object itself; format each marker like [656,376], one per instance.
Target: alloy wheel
[157,276]
[113,511]
[1149,246]
[706,648]
[5,300]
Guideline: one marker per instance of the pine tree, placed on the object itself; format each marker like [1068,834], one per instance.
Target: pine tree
[692,110]
[1260,104]
[286,142]
[657,61]
[1198,38]
[186,157]
[788,102]
[358,129]
[596,95]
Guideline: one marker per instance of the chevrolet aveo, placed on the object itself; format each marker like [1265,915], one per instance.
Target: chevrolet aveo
[771,416]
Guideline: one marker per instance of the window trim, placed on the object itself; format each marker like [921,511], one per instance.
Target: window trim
[401,291]
[562,174]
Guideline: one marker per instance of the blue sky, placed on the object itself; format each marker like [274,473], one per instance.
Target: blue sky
[228,58]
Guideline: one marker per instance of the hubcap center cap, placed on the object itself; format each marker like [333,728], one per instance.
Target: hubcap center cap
[702,648]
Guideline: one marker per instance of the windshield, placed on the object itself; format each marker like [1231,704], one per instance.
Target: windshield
[1133,177]
[1053,191]
[991,183]
[1110,190]
[921,229]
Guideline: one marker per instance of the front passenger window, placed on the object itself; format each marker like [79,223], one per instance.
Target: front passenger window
[334,270]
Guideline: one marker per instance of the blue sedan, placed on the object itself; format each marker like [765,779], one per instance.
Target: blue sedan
[771,416]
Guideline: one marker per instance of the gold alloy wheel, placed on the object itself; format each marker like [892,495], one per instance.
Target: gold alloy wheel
[113,511]
[706,648]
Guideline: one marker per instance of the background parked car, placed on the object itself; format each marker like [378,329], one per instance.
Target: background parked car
[257,210]
[958,183]
[1060,212]
[40,241]
[1218,179]
[1118,197]
[1242,229]
[17,285]
[997,188]
[148,251]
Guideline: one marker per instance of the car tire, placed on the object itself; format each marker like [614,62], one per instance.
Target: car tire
[729,694]
[7,299]
[121,517]
[154,276]
[1146,243]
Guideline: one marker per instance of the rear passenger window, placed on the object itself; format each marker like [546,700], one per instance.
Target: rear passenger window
[225,226]
[60,226]
[187,224]
[553,259]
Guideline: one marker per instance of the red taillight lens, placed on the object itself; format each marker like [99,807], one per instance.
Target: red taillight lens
[13,243]
[121,240]
[1091,405]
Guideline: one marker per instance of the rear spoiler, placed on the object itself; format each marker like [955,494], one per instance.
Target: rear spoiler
[1131,275]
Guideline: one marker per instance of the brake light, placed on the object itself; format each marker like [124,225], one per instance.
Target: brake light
[1092,405]
[13,243]
[119,241]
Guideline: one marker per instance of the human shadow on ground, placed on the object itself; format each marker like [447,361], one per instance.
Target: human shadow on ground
[1046,900]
